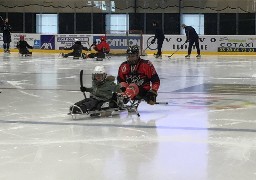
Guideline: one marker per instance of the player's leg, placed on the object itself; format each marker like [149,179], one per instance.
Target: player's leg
[80,106]
[159,48]
[198,49]
[5,47]
[191,42]
[8,47]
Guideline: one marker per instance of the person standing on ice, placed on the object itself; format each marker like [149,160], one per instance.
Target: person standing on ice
[159,35]
[6,28]
[138,78]
[192,38]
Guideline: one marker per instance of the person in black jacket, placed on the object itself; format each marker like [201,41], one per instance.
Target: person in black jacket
[23,46]
[192,38]
[159,35]
[77,50]
[6,28]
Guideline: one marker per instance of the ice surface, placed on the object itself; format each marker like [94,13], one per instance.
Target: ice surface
[206,132]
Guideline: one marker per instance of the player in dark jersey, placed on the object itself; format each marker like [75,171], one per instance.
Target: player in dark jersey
[192,38]
[138,78]
[159,35]
[23,46]
[6,29]
[77,50]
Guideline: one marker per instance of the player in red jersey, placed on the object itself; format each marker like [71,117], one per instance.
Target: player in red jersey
[101,49]
[138,78]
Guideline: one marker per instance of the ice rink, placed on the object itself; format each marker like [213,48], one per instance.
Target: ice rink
[206,132]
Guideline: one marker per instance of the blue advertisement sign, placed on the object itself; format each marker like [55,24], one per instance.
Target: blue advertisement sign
[47,41]
[37,44]
[120,42]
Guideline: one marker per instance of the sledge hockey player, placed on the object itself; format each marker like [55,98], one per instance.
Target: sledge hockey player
[23,46]
[192,38]
[77,50]
[6,28]
[103,90]
[138,78]
[101,49]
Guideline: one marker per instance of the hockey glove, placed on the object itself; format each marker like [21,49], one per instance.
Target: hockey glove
[83,89]
[153,41]
[123,86]
[151,97]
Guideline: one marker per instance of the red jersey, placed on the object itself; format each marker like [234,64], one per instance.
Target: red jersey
[101,46]
[143,74]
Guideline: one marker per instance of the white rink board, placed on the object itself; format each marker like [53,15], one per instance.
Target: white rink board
[213,43]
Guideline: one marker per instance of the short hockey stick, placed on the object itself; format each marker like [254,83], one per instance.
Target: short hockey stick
[81,81]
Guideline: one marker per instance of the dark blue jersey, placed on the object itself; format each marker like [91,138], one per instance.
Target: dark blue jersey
[191,33]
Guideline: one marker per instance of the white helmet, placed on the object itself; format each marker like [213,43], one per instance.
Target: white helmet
[99,70]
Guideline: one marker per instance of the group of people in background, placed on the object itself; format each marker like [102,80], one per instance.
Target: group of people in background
[22,45]
[103,47]
[191,37]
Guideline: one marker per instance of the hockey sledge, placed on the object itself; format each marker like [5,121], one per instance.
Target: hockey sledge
[105,110]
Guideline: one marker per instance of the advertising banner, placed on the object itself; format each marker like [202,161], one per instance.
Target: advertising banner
[48,42]
[67,40]
[207,43]
[237,44]
[120,42]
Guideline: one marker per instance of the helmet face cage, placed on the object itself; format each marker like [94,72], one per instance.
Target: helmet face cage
[133,50]
[132,54]
[99,70]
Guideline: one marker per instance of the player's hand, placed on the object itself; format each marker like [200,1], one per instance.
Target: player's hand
[151,97]
[123,89]
[83,89]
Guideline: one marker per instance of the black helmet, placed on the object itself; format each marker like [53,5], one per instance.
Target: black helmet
[133,49]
